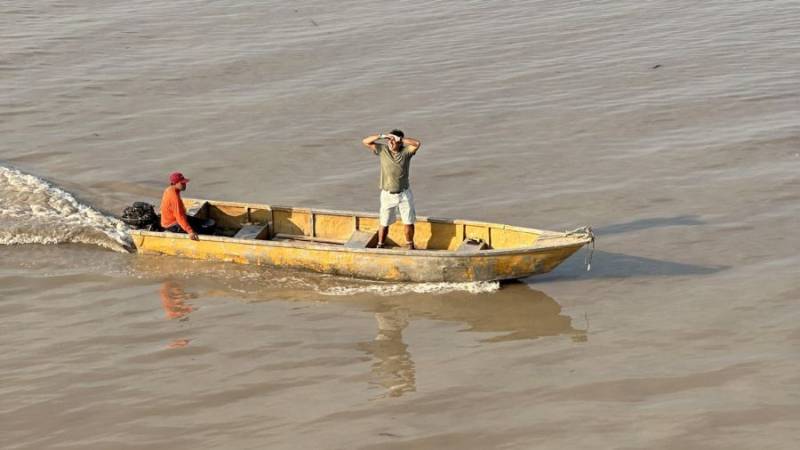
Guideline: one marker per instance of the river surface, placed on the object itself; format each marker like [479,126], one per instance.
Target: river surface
[671,127]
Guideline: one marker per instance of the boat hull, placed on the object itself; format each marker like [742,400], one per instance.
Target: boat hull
[317,242]
[375,264]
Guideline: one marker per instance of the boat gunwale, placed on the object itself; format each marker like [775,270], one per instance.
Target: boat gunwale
[579,241]
[304,245]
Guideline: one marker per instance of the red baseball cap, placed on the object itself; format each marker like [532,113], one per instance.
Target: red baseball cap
[177,177]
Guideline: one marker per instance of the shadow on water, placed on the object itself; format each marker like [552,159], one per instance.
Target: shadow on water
[618,265]
[643,224]
[515,312]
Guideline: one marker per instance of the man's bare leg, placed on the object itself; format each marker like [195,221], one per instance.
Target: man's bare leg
[409,231]
[382,232]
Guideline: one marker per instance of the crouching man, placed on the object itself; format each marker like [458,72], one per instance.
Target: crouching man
[173,213]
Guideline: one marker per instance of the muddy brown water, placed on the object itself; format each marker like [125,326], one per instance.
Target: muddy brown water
[671,127]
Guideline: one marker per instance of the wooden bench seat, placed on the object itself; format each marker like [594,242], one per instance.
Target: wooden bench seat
[362,239]
[253,231]
[472,245]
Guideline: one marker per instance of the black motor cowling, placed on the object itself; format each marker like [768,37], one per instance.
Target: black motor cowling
[141,216]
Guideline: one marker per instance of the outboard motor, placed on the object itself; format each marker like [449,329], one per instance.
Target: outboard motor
[141,216]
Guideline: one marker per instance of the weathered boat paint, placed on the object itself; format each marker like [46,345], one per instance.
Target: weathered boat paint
[543,250]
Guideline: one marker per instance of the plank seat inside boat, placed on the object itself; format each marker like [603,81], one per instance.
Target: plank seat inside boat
[472,245]
[300,238]
[362,239]
[253,231]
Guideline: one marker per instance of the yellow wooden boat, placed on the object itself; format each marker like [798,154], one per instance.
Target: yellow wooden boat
[342,243]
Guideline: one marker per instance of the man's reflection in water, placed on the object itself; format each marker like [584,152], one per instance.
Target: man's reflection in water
[393,368]
[173,300]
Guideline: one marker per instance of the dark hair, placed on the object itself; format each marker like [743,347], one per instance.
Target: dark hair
[398,133]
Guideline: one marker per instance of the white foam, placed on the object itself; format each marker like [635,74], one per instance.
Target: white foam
[32,211]
[390,289]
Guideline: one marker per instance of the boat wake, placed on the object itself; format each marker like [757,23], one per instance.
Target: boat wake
[266,282]
[33,211]
[391,289]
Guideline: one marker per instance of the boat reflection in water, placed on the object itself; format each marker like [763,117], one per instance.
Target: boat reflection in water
[514,312]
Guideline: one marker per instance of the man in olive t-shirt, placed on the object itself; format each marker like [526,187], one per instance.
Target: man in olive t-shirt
[395,157]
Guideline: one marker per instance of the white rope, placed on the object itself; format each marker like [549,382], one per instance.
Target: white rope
[585,231]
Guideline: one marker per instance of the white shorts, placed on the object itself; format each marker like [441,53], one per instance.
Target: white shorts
[391,203]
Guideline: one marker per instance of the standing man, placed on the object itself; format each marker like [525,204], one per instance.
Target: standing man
[395,156]
[173,213]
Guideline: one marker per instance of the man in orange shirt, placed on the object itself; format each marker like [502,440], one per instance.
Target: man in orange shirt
[173,213]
